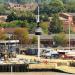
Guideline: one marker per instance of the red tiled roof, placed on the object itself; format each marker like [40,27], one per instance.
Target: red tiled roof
[67,14]
[8,30]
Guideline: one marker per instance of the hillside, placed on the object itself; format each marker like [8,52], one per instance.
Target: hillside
[24,1]
[30,1]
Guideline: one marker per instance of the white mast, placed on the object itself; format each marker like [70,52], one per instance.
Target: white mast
[38,30]
[38,19]
[69,33]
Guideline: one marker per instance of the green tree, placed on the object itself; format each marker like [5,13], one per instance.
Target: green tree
[44,26]
[56,25]
[34,40]
[60,39]
[20,23]
[12,17]
[3,35]
[56,6]
[22,35]
[44,9]
[4,9]
[70,6]
[44,17]
[31,27]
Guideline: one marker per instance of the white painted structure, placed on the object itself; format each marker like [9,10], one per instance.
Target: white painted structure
[10,45]
[9,41]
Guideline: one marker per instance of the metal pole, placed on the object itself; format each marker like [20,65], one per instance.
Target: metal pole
[38,46]
[38,19]
[69,36]
[11,69]
[70,21]
[11,56]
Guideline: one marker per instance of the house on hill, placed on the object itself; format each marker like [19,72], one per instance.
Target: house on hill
[23,7]
[68,19]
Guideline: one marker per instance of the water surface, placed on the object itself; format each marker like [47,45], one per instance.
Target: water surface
[34,73]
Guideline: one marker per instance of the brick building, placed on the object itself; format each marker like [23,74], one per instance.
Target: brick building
[23,7]
[68,19]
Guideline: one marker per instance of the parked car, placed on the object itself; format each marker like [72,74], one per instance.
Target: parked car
[31,51]
[49,53]
[70,54]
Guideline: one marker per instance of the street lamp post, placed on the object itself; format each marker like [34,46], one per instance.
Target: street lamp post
[69,36]
[38,32]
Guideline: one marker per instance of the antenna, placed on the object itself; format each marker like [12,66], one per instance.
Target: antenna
[38,19]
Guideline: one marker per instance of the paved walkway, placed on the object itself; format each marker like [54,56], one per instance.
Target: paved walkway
[52,63]
[67,69]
